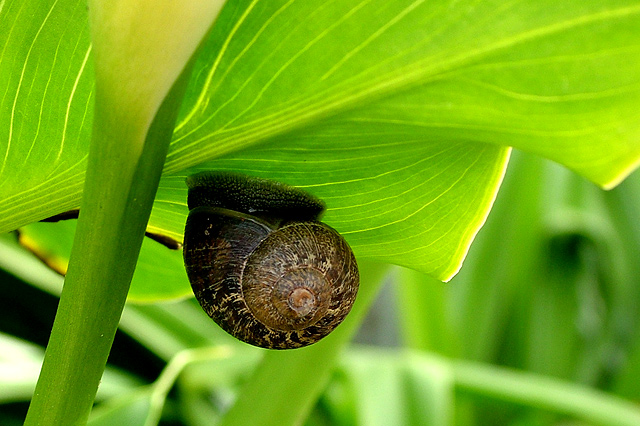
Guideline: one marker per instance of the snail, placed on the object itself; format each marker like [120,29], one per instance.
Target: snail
[260,262]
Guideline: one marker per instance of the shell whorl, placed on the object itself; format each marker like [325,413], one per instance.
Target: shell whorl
[267,277]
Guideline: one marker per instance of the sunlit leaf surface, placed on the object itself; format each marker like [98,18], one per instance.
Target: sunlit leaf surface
[398,114]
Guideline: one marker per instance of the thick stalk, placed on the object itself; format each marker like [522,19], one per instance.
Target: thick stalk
[142,50]
[119,192]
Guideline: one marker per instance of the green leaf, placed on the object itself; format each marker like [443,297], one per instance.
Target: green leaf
[46,78]
[159,272]
[539,76]
[418,388]
[131,409]
[144,405]
[396,388]
[533,390]
[398,114]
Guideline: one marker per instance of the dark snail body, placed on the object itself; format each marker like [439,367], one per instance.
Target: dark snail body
[262,265]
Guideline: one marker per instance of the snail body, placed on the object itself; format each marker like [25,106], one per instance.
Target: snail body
[262,265]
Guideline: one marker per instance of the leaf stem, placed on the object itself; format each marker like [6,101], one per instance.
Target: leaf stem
[169,375]
[125,164]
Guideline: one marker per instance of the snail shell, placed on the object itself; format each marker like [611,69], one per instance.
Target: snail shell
[262,265]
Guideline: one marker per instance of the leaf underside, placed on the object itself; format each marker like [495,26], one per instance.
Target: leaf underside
[399,115]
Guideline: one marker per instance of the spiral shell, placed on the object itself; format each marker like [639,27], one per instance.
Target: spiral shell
[271,274]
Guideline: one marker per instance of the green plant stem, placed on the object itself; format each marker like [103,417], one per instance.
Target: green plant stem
[122,177]
[169,375]
[533,390]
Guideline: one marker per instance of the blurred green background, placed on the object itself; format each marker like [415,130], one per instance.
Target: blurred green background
[549,290]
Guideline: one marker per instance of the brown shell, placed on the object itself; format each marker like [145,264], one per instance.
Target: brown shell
[275,288]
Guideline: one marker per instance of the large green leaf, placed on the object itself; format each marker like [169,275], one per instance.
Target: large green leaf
[46,82]
[558,79]
[399,114]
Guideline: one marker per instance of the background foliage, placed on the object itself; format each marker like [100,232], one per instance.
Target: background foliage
[558,299]
[401,117]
